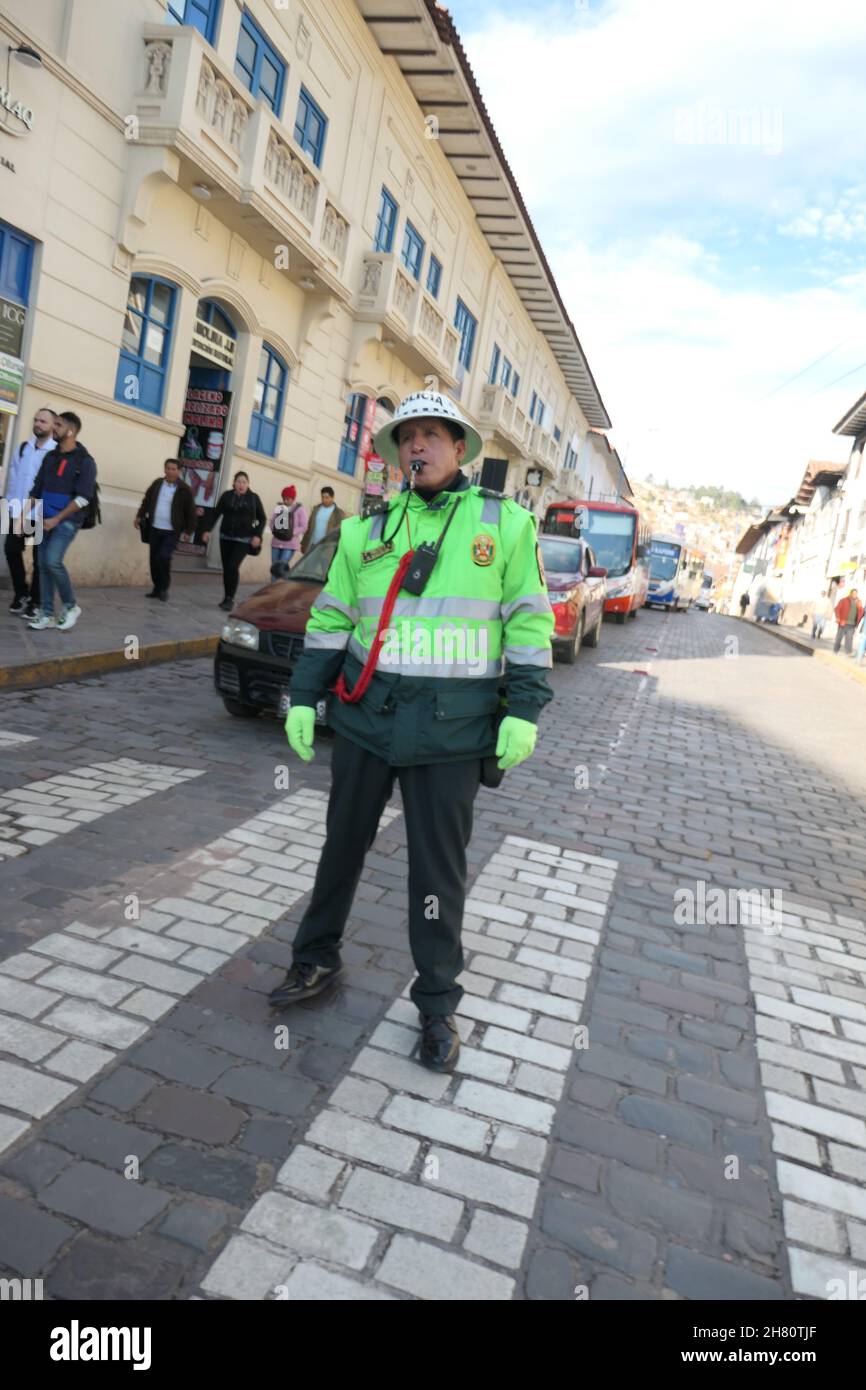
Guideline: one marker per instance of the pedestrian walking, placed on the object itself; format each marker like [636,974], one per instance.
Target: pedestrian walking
[424,708]
[821,613]
[243,524]
[325,516]
[744,603]
[288,523]
[849,611]
[20,477]
[167,513]
[65,486]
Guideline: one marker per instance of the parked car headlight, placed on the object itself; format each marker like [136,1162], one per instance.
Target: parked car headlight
[240,634]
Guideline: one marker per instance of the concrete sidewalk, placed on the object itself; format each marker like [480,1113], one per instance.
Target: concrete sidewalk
[821,647]
[188,625]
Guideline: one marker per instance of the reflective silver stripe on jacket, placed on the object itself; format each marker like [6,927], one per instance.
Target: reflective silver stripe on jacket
[528,656]
[491,511]
[441,670]
[409,607]
[529,603]
[326,600]
[377,526]
[334,641]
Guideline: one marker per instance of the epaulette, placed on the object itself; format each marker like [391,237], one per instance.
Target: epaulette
[373,509]
[491,492]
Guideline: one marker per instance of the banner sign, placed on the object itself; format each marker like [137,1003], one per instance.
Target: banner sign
[200,456]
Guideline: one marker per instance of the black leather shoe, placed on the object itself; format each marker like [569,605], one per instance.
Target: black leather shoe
[154,593]
[440,1042]
[302,982]
[163,595]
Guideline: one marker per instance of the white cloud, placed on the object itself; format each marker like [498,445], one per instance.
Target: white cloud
[678,139]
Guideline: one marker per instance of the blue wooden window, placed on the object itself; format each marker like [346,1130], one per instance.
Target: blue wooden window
[385,222]
[466,324]
[16,261]
[259,64]
[515,383]
[434,277]
[268,402]
[532,401]
[494,364]
[201,14]
[557,433]
[352,425]
[413,250]
[311,124]
[146,343]
[536,408]
[505,374]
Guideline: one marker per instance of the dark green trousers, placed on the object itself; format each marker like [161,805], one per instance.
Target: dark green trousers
[438,801]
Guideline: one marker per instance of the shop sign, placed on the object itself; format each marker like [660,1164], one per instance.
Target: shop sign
[217,347]
[12,318]
[18,111]
[533,477]
[11,383]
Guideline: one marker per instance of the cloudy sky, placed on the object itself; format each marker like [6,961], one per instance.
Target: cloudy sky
[695,172]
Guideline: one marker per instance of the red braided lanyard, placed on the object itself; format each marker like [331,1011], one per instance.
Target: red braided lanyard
[340,688]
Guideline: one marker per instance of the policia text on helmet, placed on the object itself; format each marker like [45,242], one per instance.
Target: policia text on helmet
[413,585]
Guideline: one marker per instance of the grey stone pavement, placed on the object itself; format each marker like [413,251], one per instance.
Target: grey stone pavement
[657,1098]
[110,615]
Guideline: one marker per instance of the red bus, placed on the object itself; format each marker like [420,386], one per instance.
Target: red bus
[620,541]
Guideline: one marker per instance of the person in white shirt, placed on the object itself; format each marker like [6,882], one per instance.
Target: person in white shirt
[21,475]
[166,514]
[821,613]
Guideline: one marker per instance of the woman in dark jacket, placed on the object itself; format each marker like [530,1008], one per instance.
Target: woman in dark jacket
[243,522]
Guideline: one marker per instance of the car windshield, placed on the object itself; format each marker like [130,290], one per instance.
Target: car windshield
[317,561]
[663,560]
[611,535]
[560,557]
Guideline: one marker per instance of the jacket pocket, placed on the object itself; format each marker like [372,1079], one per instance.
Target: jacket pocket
[462,725]
[464,704]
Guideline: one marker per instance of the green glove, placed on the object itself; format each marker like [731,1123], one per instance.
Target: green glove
[300,723]
[516,741]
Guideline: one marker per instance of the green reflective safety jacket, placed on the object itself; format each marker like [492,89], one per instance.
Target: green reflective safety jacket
[480,630]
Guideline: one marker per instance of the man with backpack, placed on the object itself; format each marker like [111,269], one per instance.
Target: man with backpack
[66,491]
[23,468]
[288,523]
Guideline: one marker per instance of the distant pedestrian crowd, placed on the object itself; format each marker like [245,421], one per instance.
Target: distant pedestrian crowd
[51,493]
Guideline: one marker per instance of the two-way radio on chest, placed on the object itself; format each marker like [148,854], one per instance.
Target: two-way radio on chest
[411,575]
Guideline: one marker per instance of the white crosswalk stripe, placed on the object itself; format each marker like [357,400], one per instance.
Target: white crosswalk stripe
[78,997]
[40,811]
[10,740]
[809,981]
[419,1183]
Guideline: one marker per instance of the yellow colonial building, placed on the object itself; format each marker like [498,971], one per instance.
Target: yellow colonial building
[237,233]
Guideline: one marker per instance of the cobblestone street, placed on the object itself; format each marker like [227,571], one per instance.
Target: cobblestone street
[659,1096]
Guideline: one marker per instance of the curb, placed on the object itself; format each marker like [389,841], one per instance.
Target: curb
[792,641]
[63,668]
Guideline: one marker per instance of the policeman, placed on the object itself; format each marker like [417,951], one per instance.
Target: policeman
[430,605]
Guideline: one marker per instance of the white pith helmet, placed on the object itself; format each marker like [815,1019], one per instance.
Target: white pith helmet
[420,405]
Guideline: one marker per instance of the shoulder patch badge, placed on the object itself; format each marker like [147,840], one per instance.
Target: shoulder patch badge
[542,576]
[483,549]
